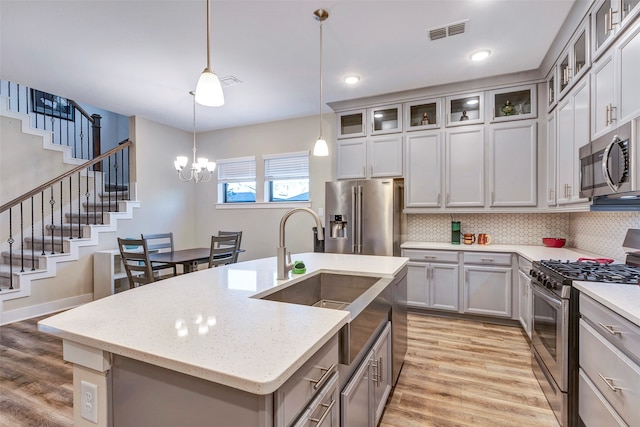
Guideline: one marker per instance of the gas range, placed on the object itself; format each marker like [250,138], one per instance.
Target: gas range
[557,276]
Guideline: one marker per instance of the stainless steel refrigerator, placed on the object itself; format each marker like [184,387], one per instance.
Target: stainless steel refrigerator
[365,217]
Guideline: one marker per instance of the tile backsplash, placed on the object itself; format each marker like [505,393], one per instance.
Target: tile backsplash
[598,232]
[602,232]
[506,229]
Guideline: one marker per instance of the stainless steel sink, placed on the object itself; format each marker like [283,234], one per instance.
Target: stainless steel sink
[367,299]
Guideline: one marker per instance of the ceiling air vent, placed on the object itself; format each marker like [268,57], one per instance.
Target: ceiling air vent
[438,33]
[230,81]
[454,29]
[448,30]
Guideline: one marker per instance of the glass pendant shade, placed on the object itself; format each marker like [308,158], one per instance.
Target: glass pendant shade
[209,90]
[321,148]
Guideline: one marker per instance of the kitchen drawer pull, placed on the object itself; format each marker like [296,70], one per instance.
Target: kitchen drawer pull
[609,381]
[380,370]
[610,329]
[325,414]
[375,376]
[430,257]
[323,379]
[487,259]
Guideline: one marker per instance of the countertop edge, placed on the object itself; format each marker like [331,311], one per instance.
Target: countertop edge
[616,297]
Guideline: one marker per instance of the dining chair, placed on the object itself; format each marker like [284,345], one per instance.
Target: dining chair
[135,258]
[224,249]
[160,242]
[229,233]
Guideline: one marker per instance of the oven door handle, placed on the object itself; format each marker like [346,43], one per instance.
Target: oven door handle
[552,301]
[605,164]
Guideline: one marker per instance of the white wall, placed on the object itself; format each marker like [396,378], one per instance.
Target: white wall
[260,226]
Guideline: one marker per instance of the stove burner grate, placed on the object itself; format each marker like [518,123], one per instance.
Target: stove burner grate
[594,272]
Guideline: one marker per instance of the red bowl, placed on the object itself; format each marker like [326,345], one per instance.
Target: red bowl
[552,242]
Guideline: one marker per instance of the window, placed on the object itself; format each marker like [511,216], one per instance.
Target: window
[237,180]
[286,177]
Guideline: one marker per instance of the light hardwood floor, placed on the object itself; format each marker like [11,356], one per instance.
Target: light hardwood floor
[457,373]
[466,373]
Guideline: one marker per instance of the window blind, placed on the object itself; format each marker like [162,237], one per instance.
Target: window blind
[286,166]
[237,170]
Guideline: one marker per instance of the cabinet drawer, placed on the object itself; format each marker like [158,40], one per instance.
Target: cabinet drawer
[616,328]
[615,376]
[295,394]
[524,265]
[430,256]
[486,258]
[593,409]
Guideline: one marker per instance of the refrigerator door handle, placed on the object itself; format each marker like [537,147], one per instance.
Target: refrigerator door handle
[354,198]
[359,219]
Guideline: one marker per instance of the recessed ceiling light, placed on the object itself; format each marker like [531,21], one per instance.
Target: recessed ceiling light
[480,55]
[351,80]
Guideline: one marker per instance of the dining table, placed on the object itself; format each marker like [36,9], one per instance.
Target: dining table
[188,258]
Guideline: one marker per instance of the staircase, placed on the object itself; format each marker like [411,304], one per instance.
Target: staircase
[46,229]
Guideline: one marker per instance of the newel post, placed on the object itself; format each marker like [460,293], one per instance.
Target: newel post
[95,130]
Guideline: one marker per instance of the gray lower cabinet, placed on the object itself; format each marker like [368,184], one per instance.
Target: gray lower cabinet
[325,409]
[609,381]
[433,279]
[364,397]
[487,284]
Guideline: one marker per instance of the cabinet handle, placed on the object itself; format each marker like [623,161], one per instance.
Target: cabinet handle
[486,259]
[439,194]
[323,379]
[569,190]
[374,375]
[610,329]
[550,193]
[492,198]
[448,199]
[607,115]
[364,171]
[607,21]
[380,371]
[326,412]
[429,257]
[609,383]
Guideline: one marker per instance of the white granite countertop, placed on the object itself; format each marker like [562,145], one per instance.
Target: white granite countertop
[206,324]
[532,253]
[623,299]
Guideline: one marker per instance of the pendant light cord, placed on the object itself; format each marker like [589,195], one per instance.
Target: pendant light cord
[208,35]
[321,137]
[194,127]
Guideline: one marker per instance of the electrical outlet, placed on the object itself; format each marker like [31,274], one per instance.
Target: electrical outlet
[89,401]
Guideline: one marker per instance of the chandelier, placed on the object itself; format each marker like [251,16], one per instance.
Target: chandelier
[202,169]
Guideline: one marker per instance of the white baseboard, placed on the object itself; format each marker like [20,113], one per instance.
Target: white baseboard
[19,314]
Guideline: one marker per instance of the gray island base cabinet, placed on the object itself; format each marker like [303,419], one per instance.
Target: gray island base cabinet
[240,360]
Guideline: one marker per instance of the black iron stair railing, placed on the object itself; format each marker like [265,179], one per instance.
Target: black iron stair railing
[76,197]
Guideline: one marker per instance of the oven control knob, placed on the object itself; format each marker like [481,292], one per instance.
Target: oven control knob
[533,273]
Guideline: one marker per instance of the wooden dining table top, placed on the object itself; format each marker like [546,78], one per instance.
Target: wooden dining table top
[181,256]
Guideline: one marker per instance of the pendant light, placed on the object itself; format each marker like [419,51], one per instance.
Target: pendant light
[209,90]
[321,148]
[201,169]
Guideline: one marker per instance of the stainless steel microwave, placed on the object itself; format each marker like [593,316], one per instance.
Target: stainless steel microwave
[605,165]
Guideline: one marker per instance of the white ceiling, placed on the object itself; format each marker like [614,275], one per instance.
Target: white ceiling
[142,57]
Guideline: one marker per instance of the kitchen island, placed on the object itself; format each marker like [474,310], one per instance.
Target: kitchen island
[209,328]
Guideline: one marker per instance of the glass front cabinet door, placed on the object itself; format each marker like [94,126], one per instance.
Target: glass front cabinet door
[551,90]
[386,119]
[422,115]
[609,18]
[513,103]
[352,124]
[465,109]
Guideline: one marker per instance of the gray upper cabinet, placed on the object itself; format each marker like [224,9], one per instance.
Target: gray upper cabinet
[608,20]
[465,109]
[575,60]
[513,103]
[422,115]
[352,124]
